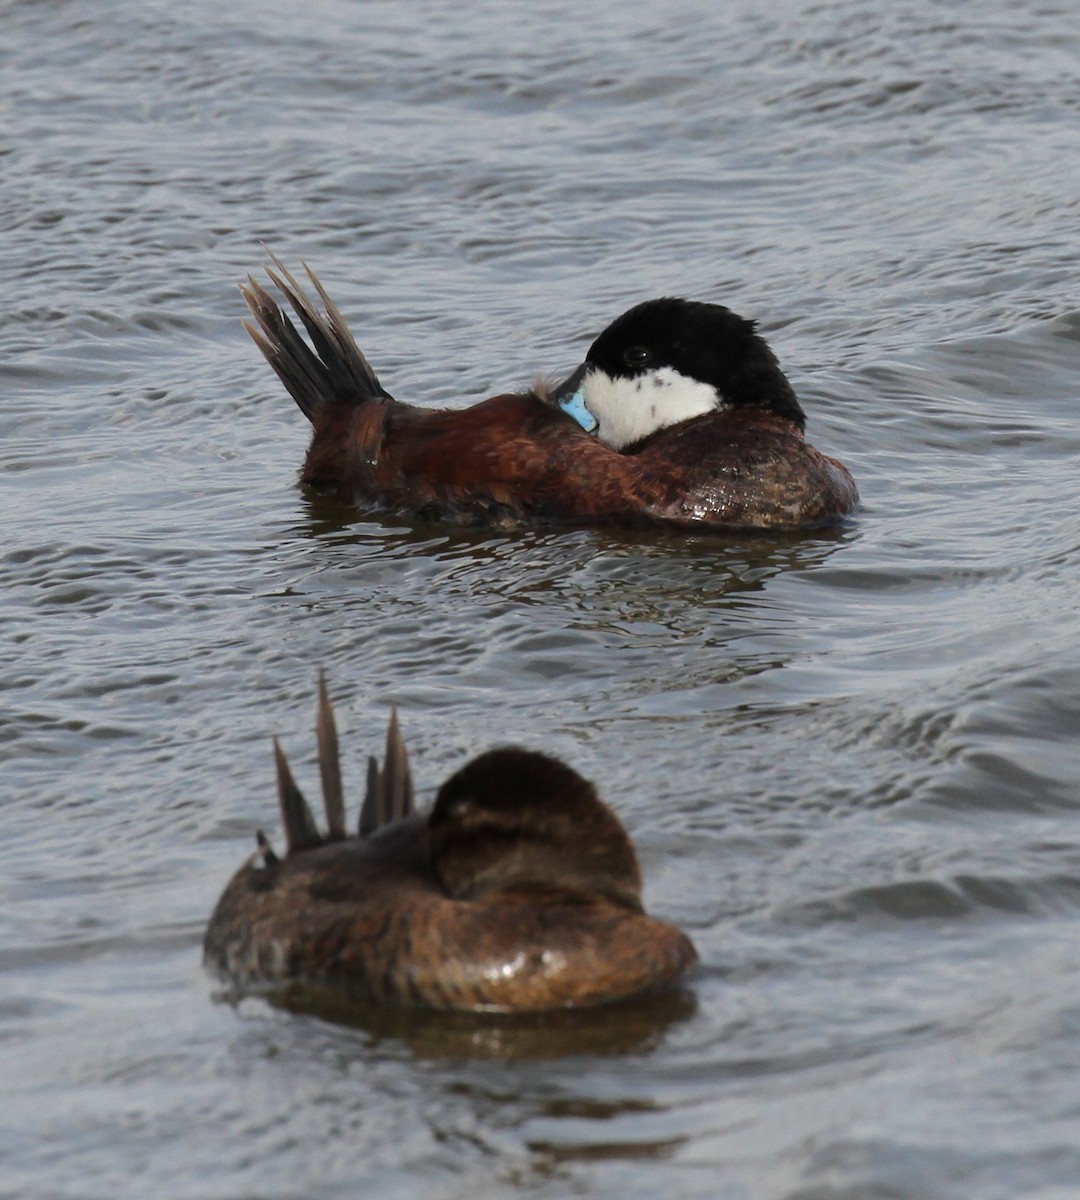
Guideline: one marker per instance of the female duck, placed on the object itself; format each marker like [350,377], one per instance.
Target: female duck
[519,892]
[679,416]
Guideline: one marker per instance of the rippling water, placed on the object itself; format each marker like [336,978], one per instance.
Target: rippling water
[849,760]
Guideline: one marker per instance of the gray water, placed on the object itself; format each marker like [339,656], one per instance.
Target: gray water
[849,759]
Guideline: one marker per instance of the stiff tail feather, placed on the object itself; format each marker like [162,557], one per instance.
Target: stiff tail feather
[390,795]
[335,371]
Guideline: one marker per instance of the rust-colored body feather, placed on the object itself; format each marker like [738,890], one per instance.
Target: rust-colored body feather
[518,458]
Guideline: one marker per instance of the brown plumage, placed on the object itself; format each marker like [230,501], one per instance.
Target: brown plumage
[520,458]
[520,892]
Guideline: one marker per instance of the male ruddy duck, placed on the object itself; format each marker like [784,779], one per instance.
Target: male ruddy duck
[679,416]
[519,892]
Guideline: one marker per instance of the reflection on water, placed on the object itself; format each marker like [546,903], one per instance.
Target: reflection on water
[636,1027]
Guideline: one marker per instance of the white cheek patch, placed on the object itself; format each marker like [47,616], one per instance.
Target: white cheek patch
[626,410]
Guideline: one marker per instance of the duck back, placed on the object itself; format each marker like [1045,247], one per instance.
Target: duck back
[518,458]
[365,918]
[523,896]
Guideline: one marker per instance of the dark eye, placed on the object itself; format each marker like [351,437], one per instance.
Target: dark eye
[637,356]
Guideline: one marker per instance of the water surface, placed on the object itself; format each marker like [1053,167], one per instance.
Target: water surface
[848,759]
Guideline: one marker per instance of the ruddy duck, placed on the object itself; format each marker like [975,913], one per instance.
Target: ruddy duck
[519,892]
[679,416]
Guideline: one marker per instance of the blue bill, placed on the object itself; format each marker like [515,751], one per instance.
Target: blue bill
[575,406]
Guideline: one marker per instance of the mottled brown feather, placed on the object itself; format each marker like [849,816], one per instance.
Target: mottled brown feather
[521,892]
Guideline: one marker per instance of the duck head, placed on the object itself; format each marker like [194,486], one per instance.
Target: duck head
[668,360]
[514,819]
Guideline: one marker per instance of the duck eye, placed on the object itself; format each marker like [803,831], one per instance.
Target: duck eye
[637,356]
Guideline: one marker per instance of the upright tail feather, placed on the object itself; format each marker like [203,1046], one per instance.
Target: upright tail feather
[330,763]
[390,793]
[335,372]
[301,832]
